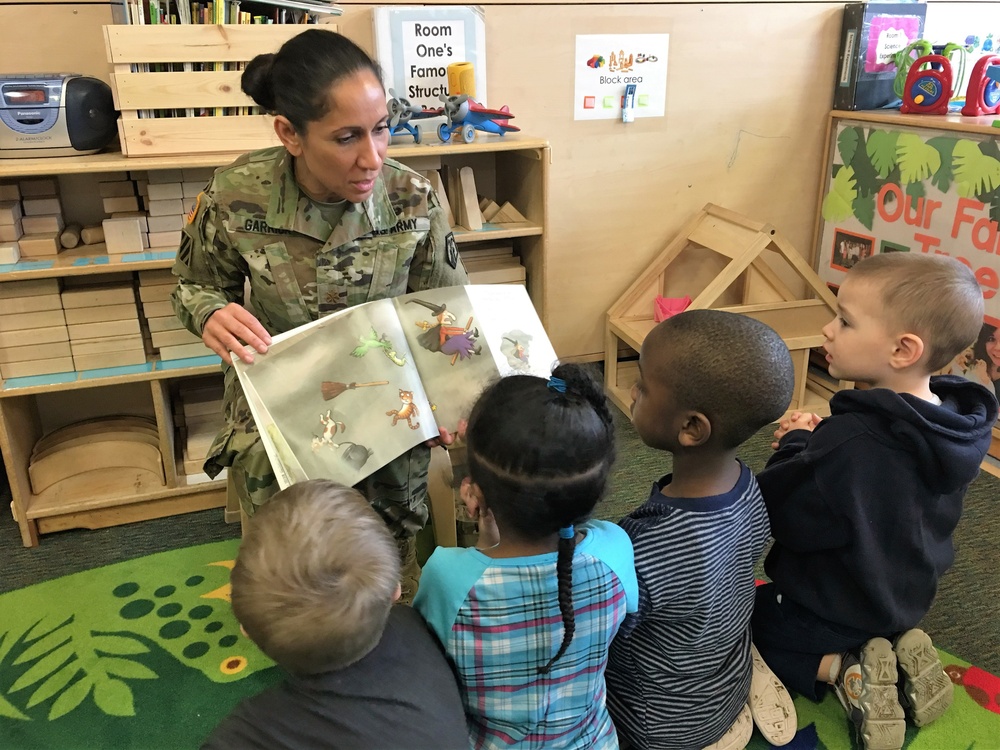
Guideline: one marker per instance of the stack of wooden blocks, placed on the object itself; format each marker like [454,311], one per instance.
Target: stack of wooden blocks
[34,339]
[492,263]
[103,321]
[124,231]
[168,338]
[198,416]
[31,214]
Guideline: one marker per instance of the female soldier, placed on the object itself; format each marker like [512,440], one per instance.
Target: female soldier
[320,223]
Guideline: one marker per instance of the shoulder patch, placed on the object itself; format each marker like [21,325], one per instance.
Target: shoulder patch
[451,250]
[194,208]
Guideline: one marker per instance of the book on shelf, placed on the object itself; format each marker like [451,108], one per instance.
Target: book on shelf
[154,12]
[342,396]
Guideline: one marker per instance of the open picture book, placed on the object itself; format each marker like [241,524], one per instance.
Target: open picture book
[343,396]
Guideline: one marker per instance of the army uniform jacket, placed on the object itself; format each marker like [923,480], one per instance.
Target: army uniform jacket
[253,222]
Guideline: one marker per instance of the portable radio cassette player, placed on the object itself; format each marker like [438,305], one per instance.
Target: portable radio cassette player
[55,114]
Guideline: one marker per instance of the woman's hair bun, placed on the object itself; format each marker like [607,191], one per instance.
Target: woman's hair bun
[257,82]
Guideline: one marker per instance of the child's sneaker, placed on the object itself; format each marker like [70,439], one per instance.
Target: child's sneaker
[927,690]
[738,735]
[771,706]
[867,689]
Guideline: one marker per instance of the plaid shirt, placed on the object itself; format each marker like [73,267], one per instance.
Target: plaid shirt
[499,621]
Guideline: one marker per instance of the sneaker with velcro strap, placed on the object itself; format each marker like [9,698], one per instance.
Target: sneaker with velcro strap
[927,691]
[867,689]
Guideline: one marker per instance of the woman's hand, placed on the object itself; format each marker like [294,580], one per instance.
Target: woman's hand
[229,328]
[797,421]
[981,372]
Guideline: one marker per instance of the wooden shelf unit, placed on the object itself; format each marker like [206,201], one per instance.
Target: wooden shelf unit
[512,168]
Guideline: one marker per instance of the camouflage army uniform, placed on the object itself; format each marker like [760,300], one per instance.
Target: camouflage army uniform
[253,222]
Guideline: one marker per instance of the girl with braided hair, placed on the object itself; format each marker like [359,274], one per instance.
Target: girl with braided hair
[526,618]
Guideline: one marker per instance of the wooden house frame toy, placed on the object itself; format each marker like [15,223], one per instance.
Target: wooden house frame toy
[737,250]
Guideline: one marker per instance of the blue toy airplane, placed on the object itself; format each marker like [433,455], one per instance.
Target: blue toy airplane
[466,115]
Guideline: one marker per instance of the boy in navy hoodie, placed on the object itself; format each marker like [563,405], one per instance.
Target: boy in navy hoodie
[863,503]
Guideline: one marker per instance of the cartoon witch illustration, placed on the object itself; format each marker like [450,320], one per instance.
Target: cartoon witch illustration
[445,337]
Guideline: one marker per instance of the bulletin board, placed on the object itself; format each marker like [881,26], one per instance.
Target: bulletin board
[918,184]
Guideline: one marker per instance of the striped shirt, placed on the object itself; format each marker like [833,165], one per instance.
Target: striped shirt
[499,621]
[679,670]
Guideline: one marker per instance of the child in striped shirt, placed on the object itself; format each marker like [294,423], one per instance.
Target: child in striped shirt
[526,617]
[680,674]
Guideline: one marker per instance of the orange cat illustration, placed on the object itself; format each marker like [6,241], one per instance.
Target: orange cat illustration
[406,411]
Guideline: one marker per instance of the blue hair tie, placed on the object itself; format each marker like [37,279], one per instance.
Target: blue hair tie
[557,384]
[567,532]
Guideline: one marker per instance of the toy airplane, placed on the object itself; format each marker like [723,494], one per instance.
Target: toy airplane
[466,115]
[401,111]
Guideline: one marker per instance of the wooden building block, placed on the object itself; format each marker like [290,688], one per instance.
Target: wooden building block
[31,336]
[168,223]
[32,320]
[104,454]
[89,347]
[120,189]
[122,236]
[198,174]
[95,426]
[142,187]
[32,367]
[10,252]
[98,295]
[41,206]
[39,245]
[101,314]
[69,237]
[10,211]
[42,224]
[165,239]
[173,206]
[158,309]
[35,303]
[11,232]
[191,190]
[102,330]
[183,351]
[175,338]
[119,176]
[100,281]
[92,235]
[157,277]
[122,203]
[34,351]
[139,216]
[157,292]
[164,191]
[164,323]
[29,288]
[507,215]
[109,359]
[140,436]
[160,176]
[436,182]
[9,191]
[41,187]
[464,198]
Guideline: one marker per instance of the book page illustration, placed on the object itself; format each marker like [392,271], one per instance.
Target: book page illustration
[343,393]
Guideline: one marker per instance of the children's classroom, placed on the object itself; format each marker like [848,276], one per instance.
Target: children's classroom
[576,375]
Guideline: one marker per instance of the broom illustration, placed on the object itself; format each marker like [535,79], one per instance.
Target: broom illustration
[332,389]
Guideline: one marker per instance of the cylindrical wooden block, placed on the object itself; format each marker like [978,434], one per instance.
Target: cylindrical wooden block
[461,79]
[91,235]
[70,236]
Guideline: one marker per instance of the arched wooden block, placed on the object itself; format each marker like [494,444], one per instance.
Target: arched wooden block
[93,427]
[138,435]
[63,464]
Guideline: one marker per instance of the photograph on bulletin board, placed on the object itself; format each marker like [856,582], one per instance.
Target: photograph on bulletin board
[920,190]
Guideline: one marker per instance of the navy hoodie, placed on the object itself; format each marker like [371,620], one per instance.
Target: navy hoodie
[863,508]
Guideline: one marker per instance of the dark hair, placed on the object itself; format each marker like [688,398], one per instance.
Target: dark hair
[733,369]
[295,81]
[979,348]
[541,457]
